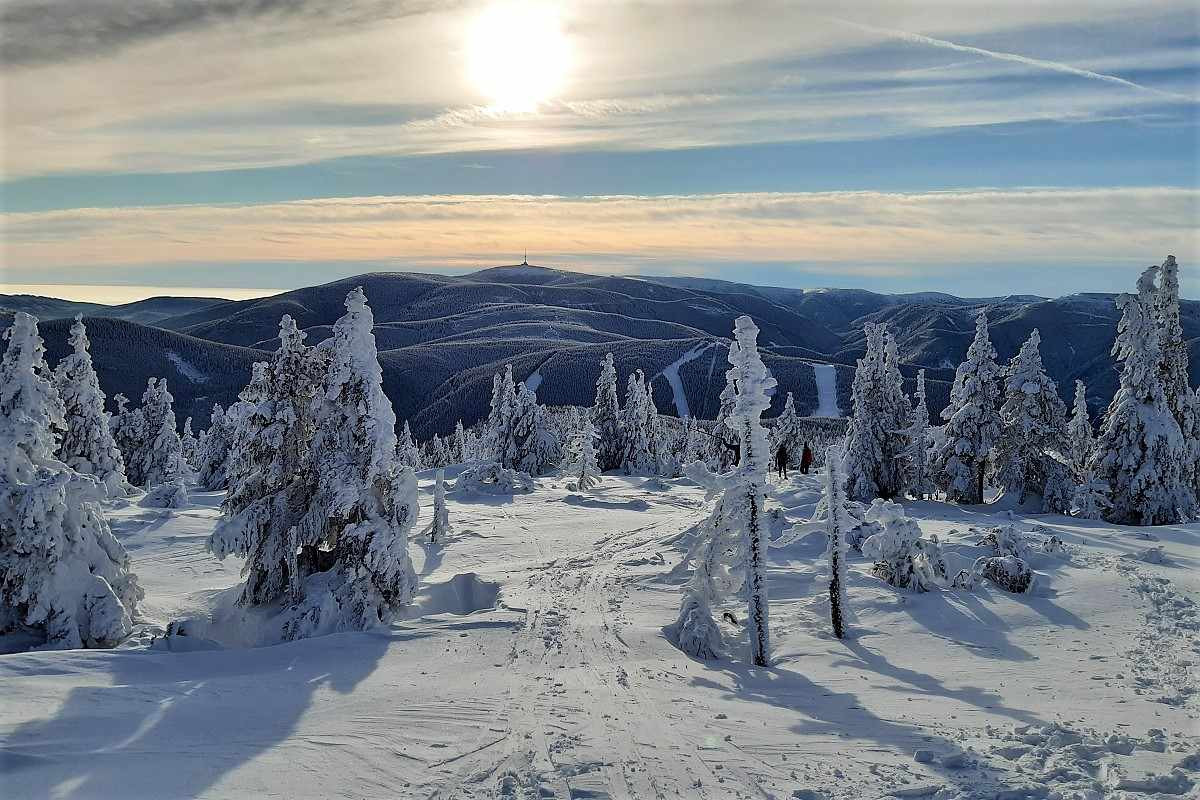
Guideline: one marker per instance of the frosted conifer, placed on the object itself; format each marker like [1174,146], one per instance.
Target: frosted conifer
[1140,452]
[87,444]
[63,575]
[972,421]
[1033,423]
[606,417]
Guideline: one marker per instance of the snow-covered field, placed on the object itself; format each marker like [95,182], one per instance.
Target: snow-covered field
[534,665]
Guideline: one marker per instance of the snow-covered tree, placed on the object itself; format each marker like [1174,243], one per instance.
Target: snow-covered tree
[270,472]
[723,444]
[458,445]
[63,576]
[212,460]
[189,444]
[128,429]
[1174,370]
[874,460]
[641,426]
[1081,437]
[733,541]
[439,526]
[87,444]
[786,433]
[972,420]
[606,417]
[1140,452]
[1033,422]
[353,536]
[691,446]
[901,556]
[580,463]
[407,450]
[835,502]
[533,447]
[918,441]
[159,456]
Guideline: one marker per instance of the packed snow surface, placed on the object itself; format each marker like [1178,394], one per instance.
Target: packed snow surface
[532,664]
[671,373]
[186,368]
[827,400]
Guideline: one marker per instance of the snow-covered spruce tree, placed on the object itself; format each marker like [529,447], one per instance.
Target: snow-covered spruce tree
[271,474]
[438,455]
[640,423]
[159,458]
[1174,370]
[213,455]
[353,536]
[723,444]
[1033,422]
[902,558]
[1140,451]
[972,421]
[439,526]
[835,502]
[916,452]
[874,459]
[533,447]
[498,441]
[87,444]
[580,463]
[691,447]
[735,536]
[606,417]
[128,430]
[1081,437]
[458,445]
[63,576]
[786,432]
[189,444]
[407,450]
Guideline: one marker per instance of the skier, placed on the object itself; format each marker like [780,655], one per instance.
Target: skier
[806,459]
[781,460]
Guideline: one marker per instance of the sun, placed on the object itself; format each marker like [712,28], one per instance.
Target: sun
[518,55]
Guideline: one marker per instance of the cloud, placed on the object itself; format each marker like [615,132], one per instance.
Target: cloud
[40,31]
[1038,63]
[858,235]
[123,86]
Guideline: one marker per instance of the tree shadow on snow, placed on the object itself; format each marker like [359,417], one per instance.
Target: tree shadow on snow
[171,725]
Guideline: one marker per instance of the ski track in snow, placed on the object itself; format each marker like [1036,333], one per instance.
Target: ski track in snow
[185,367]
[533,382]
[827,397]
[671,373]
[568,689]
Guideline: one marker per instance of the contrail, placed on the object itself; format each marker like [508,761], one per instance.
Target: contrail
[1053,66]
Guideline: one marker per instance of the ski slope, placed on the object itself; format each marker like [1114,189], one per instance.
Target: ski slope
[827,398]
[533,665]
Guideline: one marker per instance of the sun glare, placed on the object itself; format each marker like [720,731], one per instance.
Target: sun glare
[518,55]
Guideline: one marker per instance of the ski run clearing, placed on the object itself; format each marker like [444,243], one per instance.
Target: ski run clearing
[827,400]
[533,665]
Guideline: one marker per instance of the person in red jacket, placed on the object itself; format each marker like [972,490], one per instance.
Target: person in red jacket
[806,459]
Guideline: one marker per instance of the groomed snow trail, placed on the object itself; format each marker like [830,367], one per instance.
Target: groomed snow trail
[827,399]
[567,688]
[671,373]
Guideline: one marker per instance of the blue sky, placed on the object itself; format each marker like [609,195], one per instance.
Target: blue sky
[977,148]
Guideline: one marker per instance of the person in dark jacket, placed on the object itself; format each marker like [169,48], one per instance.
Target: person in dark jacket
[806,459]
[781,461]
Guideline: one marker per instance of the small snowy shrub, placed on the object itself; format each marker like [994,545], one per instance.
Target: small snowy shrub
[902,558]
[171,494]
[1009,573]
[492,479]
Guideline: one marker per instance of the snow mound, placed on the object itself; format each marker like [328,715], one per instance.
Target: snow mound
[465,593]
